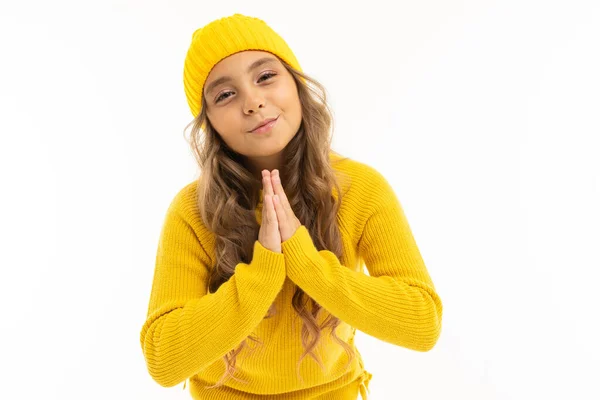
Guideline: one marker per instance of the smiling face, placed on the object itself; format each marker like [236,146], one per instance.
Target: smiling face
[244,89]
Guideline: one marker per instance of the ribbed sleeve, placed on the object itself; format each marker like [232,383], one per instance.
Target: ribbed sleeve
[397,303]
[188,328]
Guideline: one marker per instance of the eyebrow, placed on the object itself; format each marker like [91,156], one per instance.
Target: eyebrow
[224,79]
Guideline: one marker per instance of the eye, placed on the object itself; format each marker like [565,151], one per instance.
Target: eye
[221,97]
[269,75]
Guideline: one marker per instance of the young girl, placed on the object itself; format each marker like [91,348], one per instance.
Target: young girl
[258,287]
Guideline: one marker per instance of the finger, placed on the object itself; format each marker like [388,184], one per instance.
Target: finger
[279,211]
[270,212]
[267,184]
[264,210]
[278,190]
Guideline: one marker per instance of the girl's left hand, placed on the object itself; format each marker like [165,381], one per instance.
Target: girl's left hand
[288,223]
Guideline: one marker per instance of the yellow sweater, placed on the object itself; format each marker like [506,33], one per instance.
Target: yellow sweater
[188,330]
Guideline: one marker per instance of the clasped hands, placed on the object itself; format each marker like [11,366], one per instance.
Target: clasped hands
[287,221]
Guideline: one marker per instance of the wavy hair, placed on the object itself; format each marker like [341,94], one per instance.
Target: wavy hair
[228,195]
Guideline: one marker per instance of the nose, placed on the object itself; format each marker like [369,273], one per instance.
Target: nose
[253,102]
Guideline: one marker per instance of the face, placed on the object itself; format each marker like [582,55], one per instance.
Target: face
[242,91]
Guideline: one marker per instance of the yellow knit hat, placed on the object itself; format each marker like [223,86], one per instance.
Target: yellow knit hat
[222,38]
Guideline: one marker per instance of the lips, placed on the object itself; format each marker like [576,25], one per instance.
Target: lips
[263,123]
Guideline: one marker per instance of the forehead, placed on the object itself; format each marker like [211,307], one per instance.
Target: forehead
[240,60]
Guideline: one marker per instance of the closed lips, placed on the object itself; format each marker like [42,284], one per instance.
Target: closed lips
[266,121]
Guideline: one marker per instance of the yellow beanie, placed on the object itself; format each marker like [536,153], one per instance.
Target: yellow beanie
[222,38]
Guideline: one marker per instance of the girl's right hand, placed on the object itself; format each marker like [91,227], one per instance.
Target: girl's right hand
[269,236]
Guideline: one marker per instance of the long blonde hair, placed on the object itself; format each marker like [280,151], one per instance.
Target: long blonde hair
[228,194]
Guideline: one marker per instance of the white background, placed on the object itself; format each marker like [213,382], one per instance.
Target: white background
[484,116]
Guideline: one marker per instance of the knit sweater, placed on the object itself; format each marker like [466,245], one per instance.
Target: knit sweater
[188,330]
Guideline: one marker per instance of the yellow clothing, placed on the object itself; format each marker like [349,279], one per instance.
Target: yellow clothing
[188,330]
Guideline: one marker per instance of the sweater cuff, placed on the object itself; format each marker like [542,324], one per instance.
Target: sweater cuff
[299,249]
[262,256]
[263,277]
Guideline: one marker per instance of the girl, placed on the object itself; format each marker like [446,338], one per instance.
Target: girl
[258,286]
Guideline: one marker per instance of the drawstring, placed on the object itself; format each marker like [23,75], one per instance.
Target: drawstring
[184,382]
[364,385]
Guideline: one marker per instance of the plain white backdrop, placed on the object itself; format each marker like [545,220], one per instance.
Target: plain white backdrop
[484,116]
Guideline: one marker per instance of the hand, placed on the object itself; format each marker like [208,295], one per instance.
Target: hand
[288,223]
[269,236]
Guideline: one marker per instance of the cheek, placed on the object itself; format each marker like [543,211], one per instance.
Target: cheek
[225,121]
[290,102]
[296,107]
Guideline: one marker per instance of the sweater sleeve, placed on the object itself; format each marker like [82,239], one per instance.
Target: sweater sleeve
[187,328]
[397,302]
